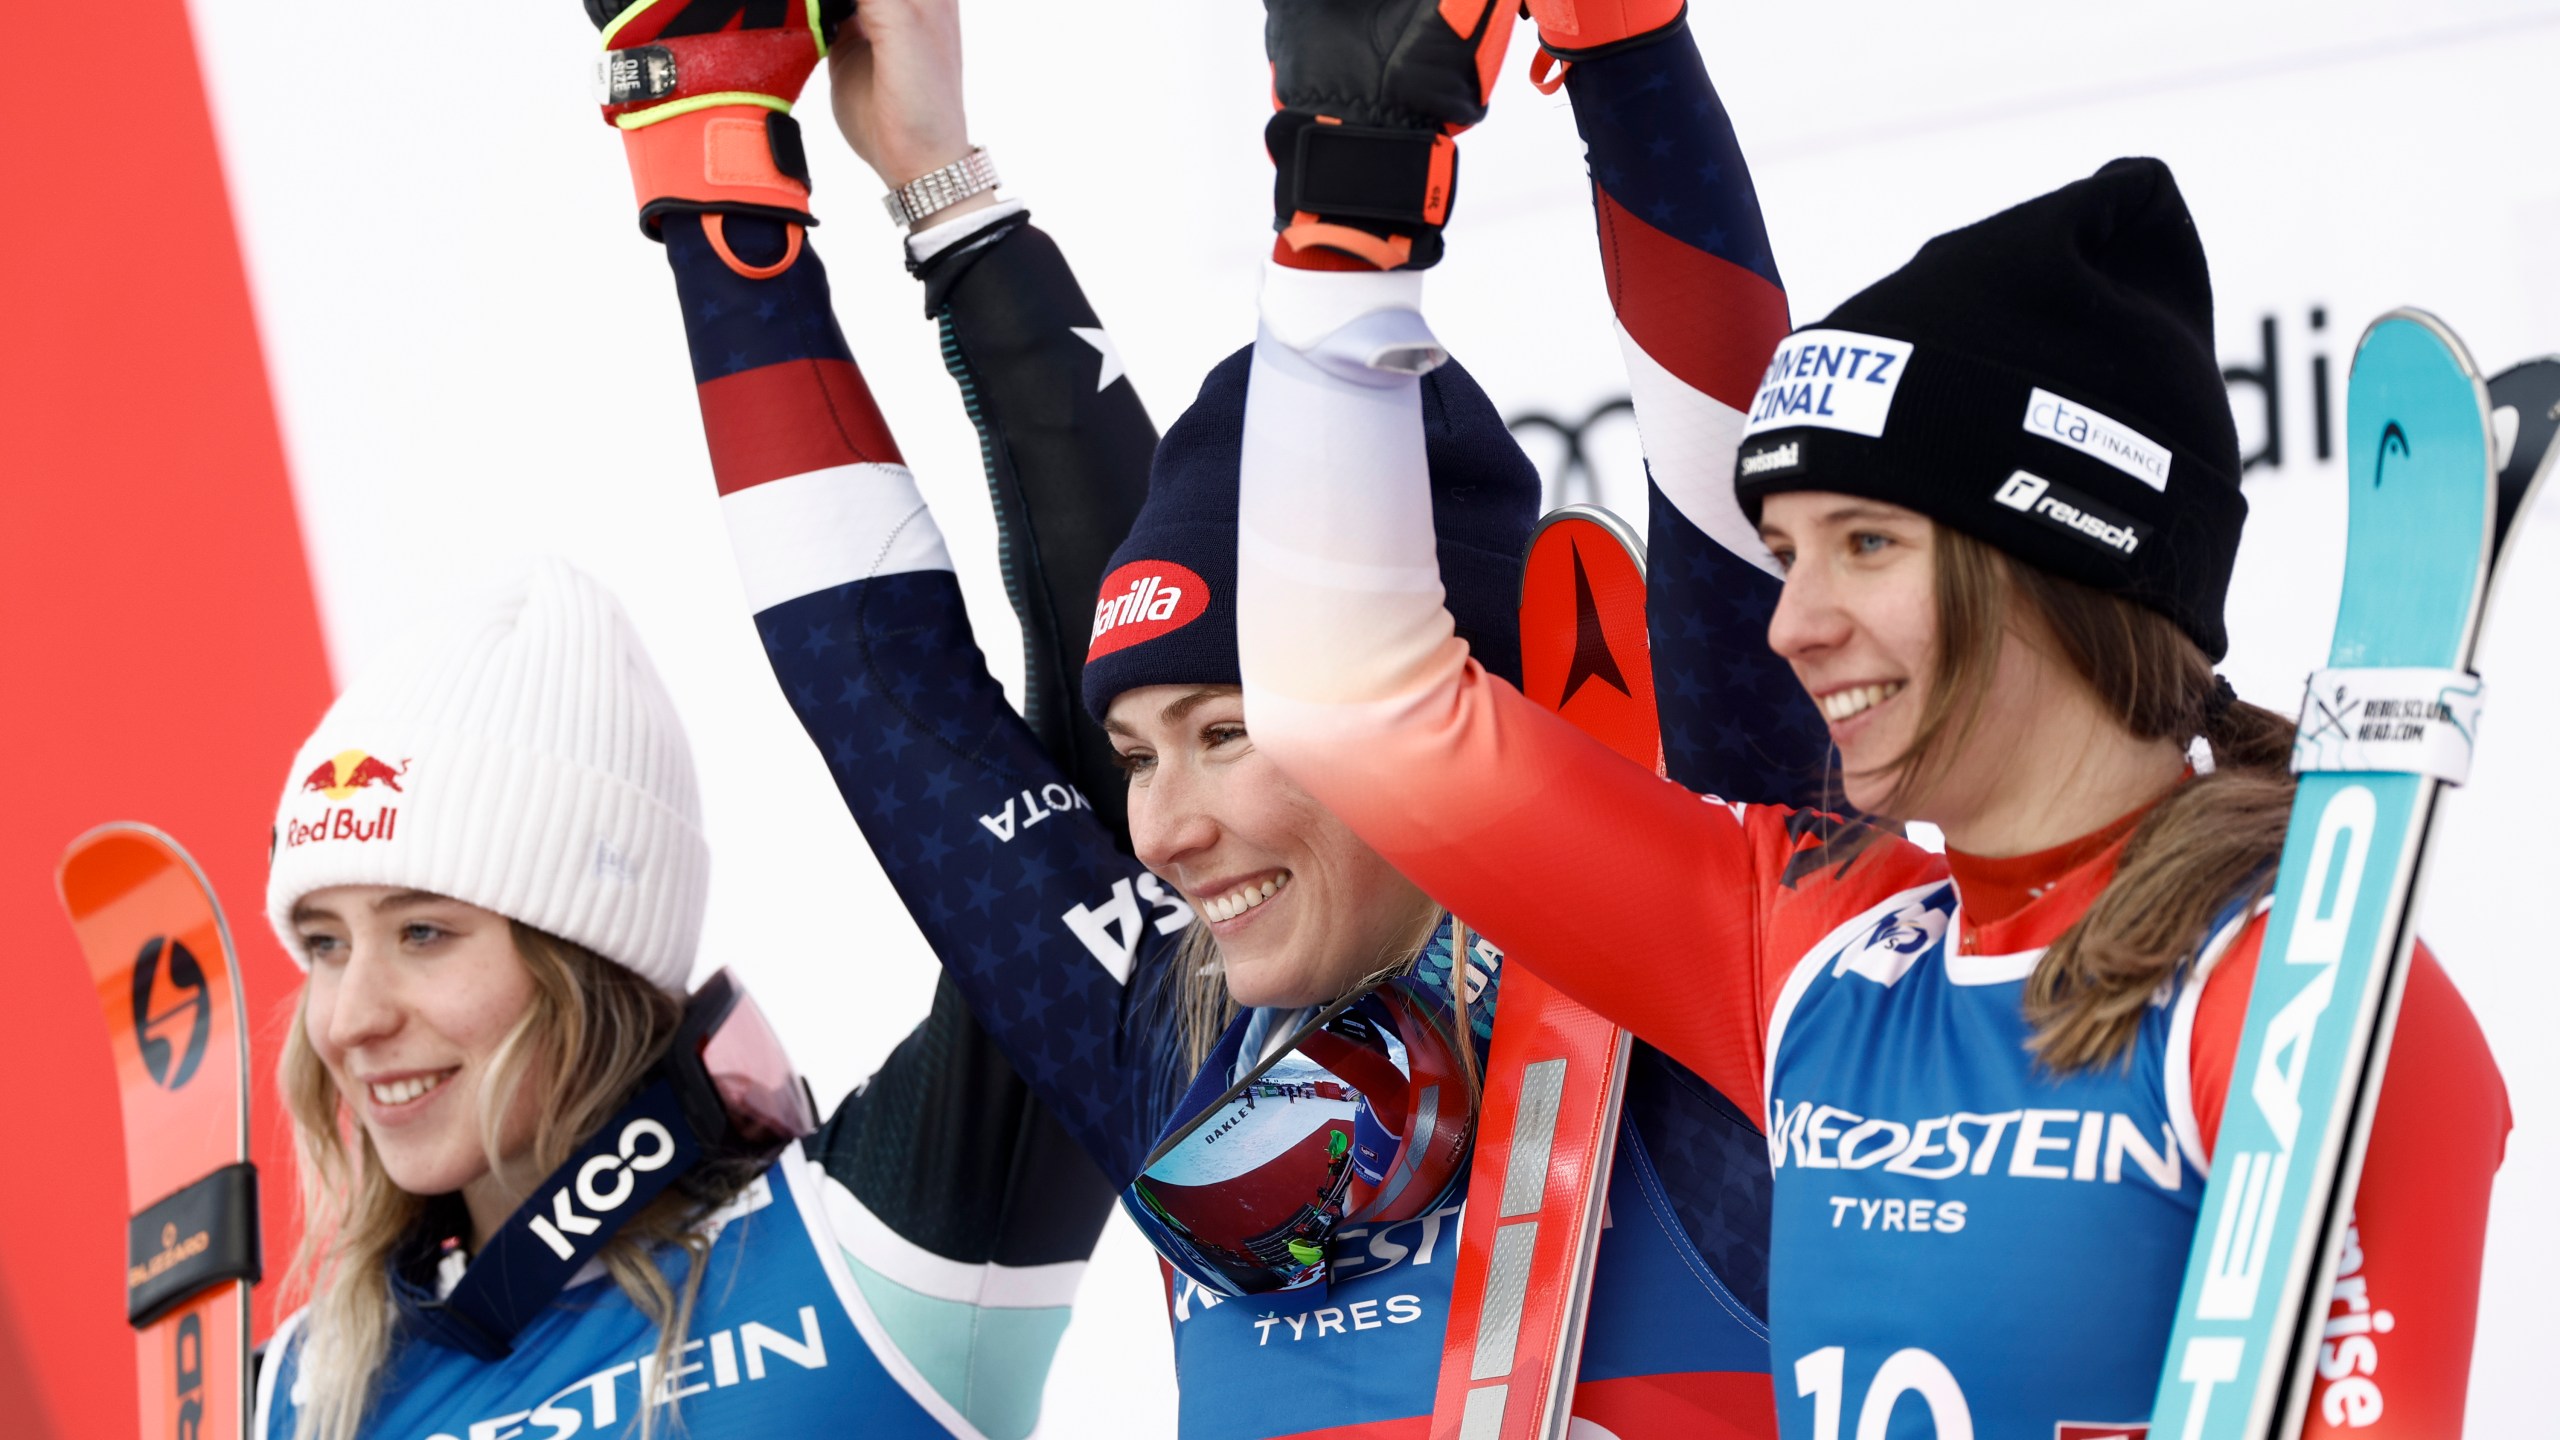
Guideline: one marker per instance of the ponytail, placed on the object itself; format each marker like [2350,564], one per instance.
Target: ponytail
[2208,844]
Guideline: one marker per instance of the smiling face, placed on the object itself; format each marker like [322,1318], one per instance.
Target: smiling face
[1858,621]
[409,998]
[1301,908]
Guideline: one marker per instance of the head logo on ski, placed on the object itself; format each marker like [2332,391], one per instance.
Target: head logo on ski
[2393,438]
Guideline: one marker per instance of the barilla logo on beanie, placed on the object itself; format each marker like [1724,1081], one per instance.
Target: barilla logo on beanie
[1835,379]
[339,778]
[1142,600]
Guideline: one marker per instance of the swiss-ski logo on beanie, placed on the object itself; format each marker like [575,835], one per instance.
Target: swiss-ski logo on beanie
[1142,600]
[1836,379]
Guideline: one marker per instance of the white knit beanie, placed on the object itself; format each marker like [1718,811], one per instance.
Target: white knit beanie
[519,754]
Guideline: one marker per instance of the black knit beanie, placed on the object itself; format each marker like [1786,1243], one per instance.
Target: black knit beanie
[1167,615]
[2043,381]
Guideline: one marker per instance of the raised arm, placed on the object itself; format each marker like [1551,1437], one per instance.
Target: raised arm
[1699,309]
[988,839]
[1357,684]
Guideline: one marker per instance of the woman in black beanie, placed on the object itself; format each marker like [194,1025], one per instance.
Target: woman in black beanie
[2002,486]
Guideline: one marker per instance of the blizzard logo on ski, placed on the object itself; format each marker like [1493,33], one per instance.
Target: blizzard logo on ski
[1003,824]
[2251,1210]
[2097,437]
[1783,459]
[2037,496]
[2082,1145]
[1112,930]
[173,1251]
[349,771]
[1142,600]
[342,825]
[187,1353]
[591,1176]
[1836,379]
[155,1023]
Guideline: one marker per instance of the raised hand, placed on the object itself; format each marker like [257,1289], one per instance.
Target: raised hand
[1370,93]
[702,92]
[894,77]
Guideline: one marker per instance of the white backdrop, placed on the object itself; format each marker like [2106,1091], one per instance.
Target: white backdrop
[477,357]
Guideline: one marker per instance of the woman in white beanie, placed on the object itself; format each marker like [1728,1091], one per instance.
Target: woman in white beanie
[539,1185]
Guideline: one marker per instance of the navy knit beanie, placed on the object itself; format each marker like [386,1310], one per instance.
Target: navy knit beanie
[1167,612]
[2044,381]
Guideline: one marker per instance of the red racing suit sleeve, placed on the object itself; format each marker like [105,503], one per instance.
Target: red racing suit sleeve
[1670,914]
[2396,1356]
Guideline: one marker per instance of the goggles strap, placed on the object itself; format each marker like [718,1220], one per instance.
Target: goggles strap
[631,1160]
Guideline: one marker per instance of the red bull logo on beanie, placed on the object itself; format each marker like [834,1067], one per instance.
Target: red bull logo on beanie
[1142,600]
[349,771]
[339,777]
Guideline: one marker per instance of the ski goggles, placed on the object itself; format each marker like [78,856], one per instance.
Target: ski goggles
[1363,1115]
[740,1089]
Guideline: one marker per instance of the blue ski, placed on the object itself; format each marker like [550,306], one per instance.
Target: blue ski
[2383,729]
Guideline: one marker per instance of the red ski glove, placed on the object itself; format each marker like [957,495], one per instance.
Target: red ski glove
[1369,93]
[1570,30]
[702,92]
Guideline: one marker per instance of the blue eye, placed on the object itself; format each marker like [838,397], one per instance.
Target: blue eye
[1868,542]
[419,932]
[319,948]
[1133,763]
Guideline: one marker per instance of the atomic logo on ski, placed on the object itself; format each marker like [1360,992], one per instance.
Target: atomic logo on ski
[170,1064]
[1591,657]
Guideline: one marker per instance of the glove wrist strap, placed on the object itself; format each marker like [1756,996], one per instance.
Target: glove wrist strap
[736,159]
[1379,194]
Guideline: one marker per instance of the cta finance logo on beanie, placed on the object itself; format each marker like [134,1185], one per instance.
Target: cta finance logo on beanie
[2043,380]
[519,754]
[1166,614]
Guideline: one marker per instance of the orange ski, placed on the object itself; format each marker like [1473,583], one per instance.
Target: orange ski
[1557,1072]
[169,986]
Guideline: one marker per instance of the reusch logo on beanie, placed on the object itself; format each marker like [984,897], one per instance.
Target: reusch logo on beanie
[2044,381]
[1142,600]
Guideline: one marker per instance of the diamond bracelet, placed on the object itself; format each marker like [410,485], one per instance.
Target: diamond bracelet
[971,174]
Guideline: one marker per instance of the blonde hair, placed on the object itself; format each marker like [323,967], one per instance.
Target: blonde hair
[2206,845]
[1203,1008]
[591,1032]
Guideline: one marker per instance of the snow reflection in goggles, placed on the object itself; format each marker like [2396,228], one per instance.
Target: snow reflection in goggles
[1362,1117]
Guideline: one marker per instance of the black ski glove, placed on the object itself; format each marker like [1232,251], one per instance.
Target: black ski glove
[1369,94]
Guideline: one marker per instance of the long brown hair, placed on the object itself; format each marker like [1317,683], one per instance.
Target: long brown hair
[591,1032]
[2207,844]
